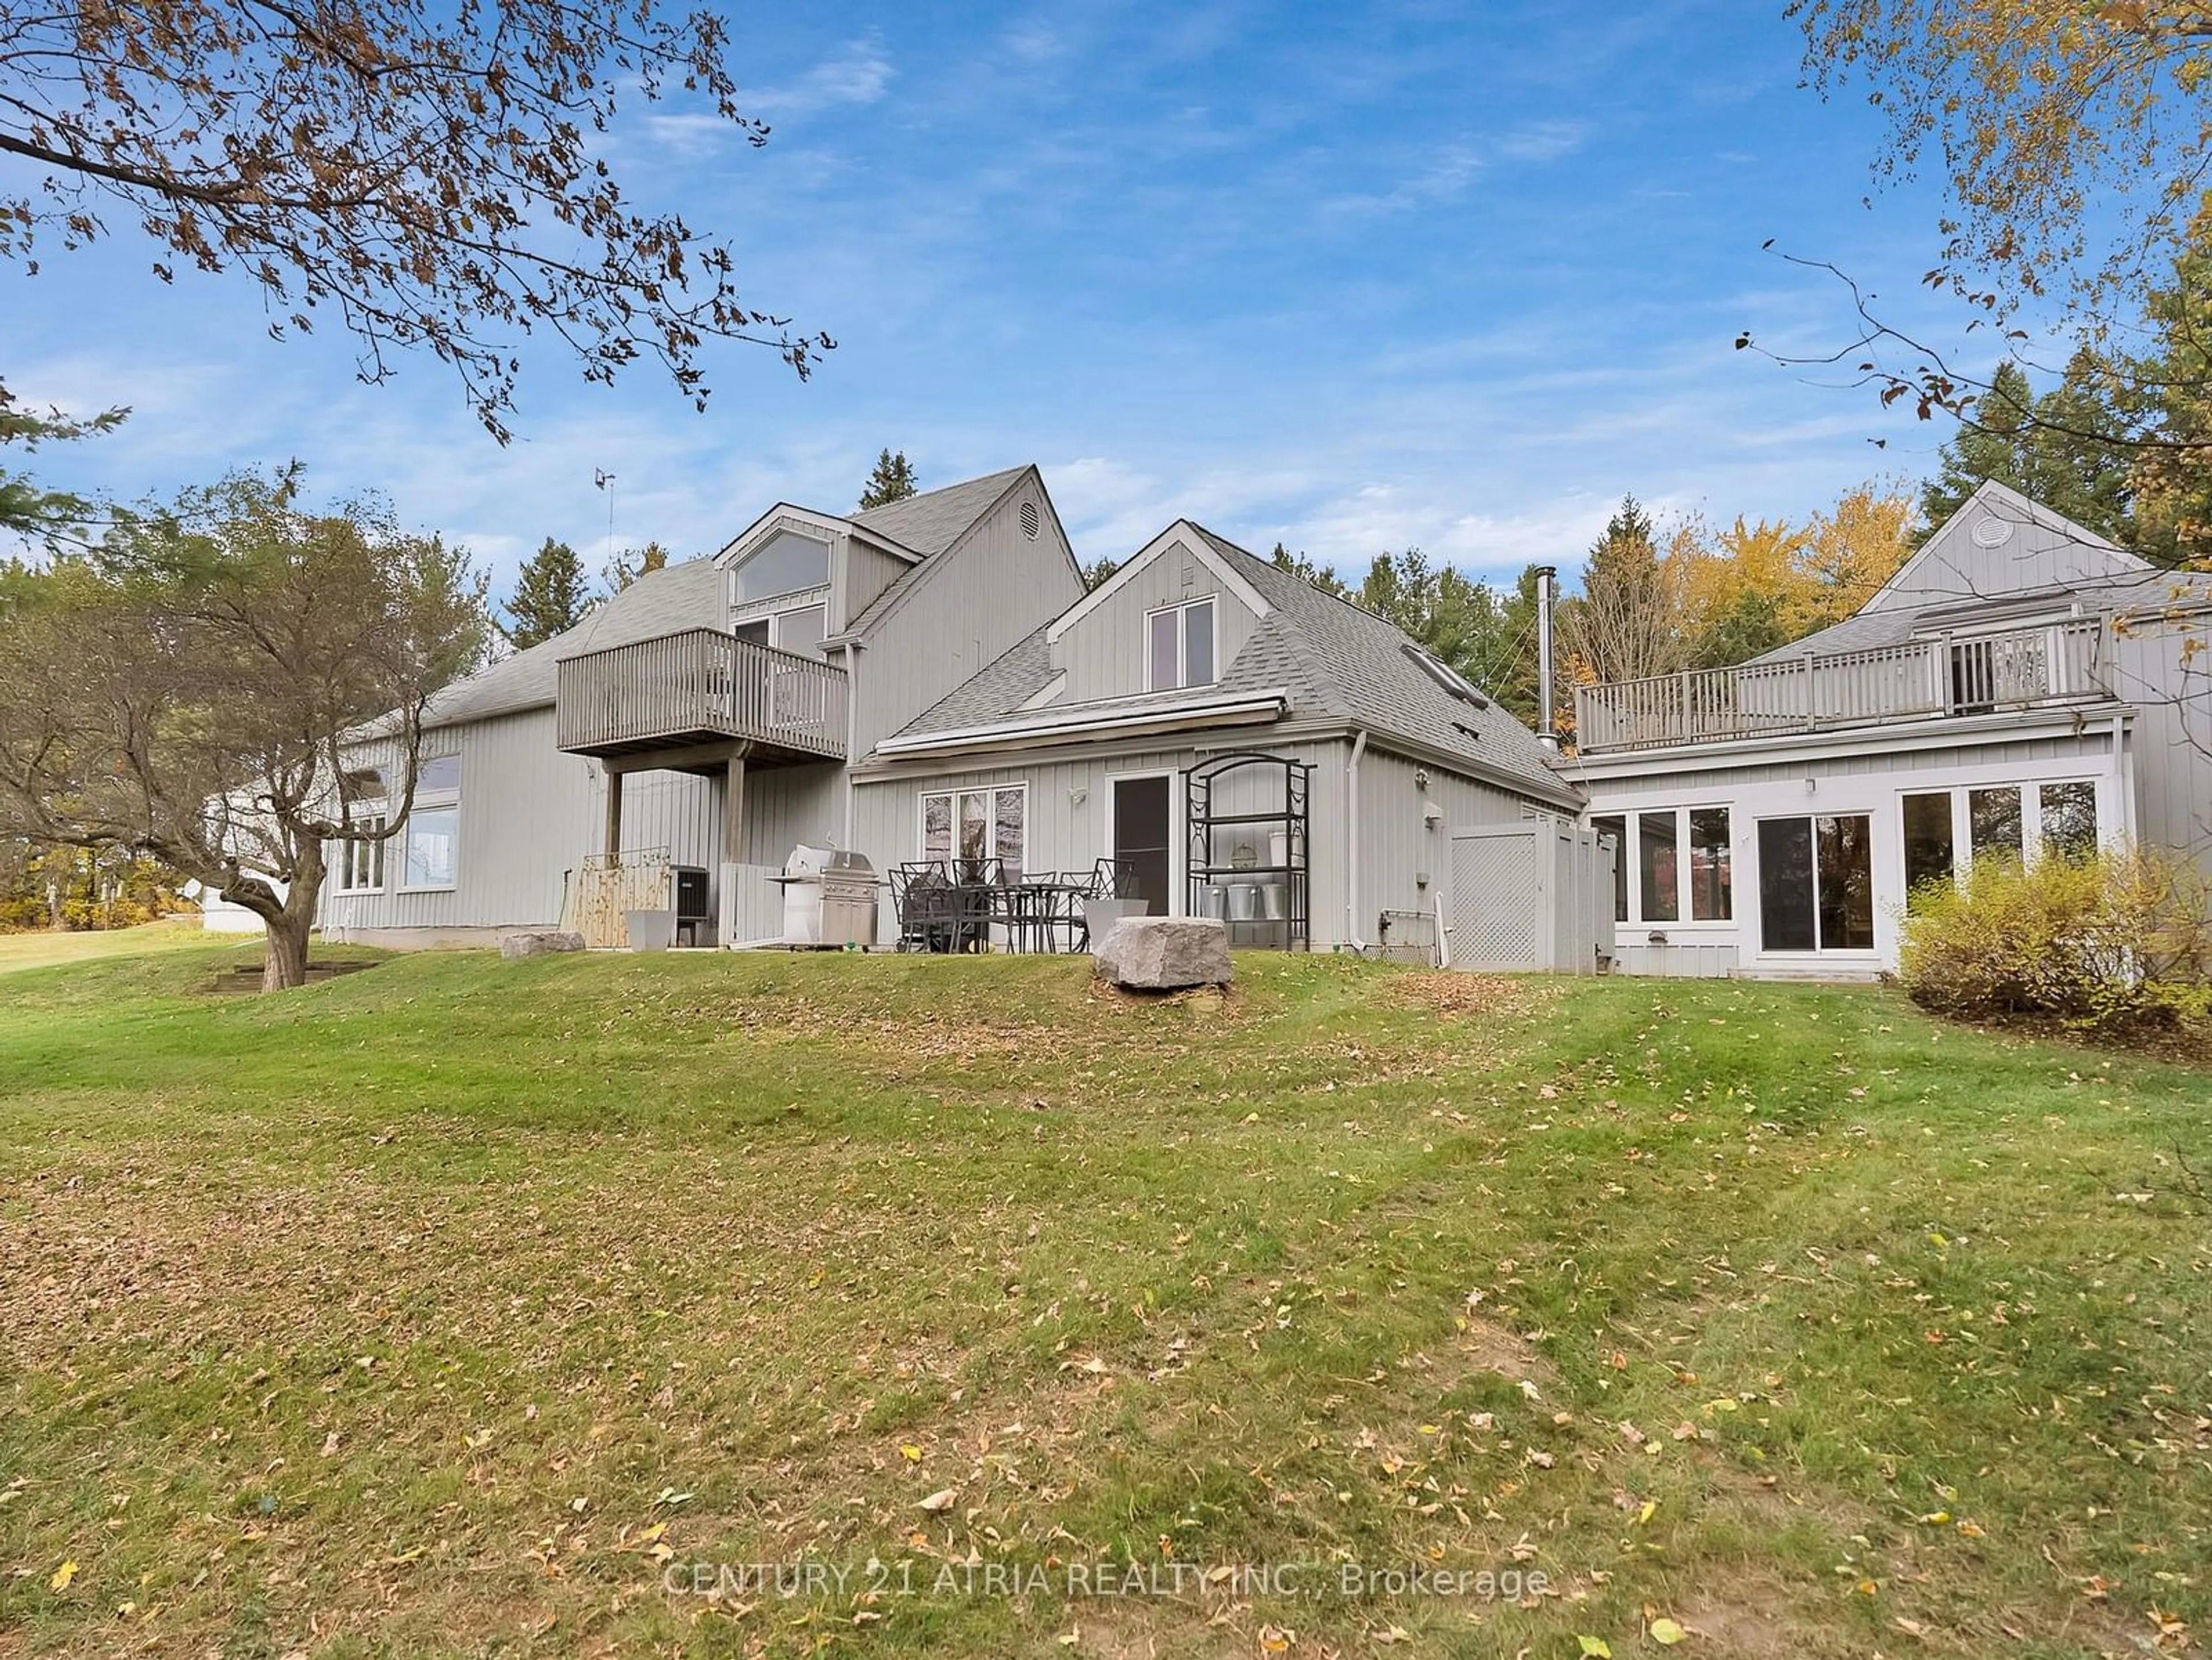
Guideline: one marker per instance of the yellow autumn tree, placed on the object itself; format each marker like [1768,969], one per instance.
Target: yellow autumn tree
[1849,552]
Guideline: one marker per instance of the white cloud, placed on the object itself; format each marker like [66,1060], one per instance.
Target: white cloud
[858,73]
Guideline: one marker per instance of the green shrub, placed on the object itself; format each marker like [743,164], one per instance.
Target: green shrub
[2118,943]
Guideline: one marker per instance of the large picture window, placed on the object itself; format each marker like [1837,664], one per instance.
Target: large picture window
[786,563]
[978,823]
[1660,875]
[431,855]
[1816,883]
[1179,645]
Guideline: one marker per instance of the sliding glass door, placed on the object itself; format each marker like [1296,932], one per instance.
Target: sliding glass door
[1816,883]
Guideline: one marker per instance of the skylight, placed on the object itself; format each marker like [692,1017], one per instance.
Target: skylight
[1447,678]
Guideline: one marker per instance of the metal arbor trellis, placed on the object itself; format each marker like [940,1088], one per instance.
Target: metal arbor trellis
[1249,863]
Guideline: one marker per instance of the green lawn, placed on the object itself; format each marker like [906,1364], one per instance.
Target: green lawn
[473,1307]
[42,949]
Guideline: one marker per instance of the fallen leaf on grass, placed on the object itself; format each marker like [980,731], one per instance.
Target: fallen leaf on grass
[1666,1633]
[61,1576]
[941,1500]
[1595,1648]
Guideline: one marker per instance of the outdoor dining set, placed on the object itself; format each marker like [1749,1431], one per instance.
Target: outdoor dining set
[972,904]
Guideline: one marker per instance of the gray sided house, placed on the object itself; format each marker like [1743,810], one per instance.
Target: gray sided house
[2021,687]
[929,680]
[706,714]
[1110,732]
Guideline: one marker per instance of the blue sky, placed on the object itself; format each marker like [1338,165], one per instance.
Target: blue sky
[1358,277]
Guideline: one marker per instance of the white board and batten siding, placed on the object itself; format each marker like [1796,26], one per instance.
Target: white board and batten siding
[959,611]
[1871,782]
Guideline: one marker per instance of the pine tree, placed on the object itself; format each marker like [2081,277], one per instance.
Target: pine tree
[1625,625]
[1995,445]
[551,595]
[2067,448]
[892,481]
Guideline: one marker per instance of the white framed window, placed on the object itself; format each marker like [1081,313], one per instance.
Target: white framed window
[989,822]
[1672,864]
[1945,830]
[431,843]
[359,865]
[1180,645]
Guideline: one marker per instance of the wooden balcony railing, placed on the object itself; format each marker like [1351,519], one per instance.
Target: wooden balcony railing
[1978,674]
[696,686]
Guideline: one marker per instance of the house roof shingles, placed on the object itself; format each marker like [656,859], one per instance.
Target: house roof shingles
[689,596]
[664,601]
[933,522]
[1334,659]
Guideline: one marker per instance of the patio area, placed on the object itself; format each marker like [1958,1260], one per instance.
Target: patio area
[960,905]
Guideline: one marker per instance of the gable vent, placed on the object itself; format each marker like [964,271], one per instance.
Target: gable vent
[1030,520]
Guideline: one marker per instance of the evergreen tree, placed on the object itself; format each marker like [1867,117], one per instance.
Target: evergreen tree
[1625,624]
[2068,448]
[2174,474]
[892,481]
[551,596]
[1996,445]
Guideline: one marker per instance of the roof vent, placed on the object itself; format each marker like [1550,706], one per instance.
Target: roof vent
[1030,520]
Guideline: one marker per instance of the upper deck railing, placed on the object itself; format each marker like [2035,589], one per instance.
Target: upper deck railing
[699,685]
[1957,674]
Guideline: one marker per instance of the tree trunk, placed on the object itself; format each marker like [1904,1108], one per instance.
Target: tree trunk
[285,964]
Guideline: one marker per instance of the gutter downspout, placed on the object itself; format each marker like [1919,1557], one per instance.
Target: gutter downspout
[852,731]
[1352,839]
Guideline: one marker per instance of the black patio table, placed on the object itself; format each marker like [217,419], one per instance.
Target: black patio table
[1033,909]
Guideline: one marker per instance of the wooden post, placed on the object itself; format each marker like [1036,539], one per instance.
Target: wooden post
[614,814]
[733,807]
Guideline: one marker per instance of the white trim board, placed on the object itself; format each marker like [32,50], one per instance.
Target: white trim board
[1247,709]
[1195,543]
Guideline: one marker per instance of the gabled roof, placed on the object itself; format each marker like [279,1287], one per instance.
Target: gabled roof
[1988,586]
[665,601]
[934,521]
[1332,659]
[689,596]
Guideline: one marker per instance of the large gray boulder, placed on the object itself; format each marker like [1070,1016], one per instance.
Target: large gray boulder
[538,943]
[1165,953]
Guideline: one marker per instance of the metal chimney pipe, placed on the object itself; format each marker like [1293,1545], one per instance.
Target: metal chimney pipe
[1547,579]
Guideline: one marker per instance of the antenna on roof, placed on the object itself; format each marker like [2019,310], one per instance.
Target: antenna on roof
[602,479]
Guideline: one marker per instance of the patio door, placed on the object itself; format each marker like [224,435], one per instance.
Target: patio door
[1816,883]
[1144,837]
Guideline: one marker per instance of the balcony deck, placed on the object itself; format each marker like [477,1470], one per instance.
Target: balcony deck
[2060,663]
[701,687]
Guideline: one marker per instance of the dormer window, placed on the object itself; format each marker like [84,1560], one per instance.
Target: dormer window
[1179,645]
[786,563]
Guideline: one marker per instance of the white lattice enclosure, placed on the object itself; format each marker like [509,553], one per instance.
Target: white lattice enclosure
[1533,896]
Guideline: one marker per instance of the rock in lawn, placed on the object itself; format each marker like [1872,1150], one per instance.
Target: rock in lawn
[512,945]
[1165,953]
